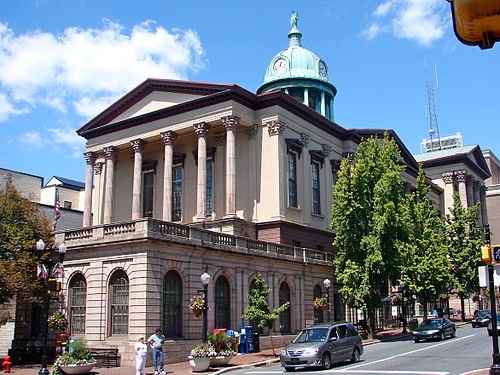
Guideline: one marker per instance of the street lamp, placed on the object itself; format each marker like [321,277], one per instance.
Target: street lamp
[327,283]
[53,286]
[402,286]
[205,280]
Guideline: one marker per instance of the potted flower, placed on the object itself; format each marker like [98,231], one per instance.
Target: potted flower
[58,322]
[200,355]
[78,360]
[197,305]
[320,303]
[223,345]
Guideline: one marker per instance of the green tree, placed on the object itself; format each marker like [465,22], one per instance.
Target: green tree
[367,219]
[464,243]
[258,308]
[21,225]
[425,267]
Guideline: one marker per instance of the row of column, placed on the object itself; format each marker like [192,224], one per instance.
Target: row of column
[201,130]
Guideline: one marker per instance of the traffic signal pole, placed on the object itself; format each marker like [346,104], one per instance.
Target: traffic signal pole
[495,366]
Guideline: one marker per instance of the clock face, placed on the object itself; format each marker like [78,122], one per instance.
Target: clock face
[322,69]
[280,65]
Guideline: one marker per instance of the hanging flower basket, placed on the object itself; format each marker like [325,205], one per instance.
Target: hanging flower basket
[320,303]
[58,322]
[197,305]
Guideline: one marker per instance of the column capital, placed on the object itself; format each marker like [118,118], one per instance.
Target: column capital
[447,177]
[230,122]
[98,168]
[168,137]
[305,138]
[110,152]
[201,129]
[275,127]
[90,157]
[137,144]
[461,175]
[327,149]
[252,130]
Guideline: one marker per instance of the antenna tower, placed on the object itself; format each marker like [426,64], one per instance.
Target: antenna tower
[431,115]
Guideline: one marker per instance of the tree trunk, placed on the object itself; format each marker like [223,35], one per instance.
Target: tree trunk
[462,305]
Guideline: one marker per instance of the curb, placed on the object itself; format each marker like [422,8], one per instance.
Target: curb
[250,365]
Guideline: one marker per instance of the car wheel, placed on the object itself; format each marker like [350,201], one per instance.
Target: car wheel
[473,325]
[416,340]
[355,355]
[326,361]
[289,369]
[454,333]
[441,336]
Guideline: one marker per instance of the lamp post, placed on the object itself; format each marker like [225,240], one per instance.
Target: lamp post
[495,366]
[52,286]
[327,283]
[402,286]
[205,280]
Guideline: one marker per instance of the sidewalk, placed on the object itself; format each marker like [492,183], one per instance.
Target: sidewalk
[262,358]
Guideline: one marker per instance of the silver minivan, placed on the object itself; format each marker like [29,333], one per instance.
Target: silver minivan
[322,345]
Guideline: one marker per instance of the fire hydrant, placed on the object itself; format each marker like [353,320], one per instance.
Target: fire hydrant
[7,364]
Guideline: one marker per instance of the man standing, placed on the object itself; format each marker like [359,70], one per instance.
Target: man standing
[156,341]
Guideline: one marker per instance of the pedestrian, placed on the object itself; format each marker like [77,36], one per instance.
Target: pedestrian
[156,340]
[141,349]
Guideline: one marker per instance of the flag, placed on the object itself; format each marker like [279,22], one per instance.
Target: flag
[41,271]
[58,270]
[57,210]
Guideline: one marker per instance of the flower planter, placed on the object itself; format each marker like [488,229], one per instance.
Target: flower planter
[220,361]
[77,369]
[199,364]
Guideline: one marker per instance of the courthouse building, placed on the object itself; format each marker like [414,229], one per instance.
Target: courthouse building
[184,178]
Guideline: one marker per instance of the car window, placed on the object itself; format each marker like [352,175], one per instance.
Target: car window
[342,331]
[333,333]
[351,330]
[431,322]
[312,335]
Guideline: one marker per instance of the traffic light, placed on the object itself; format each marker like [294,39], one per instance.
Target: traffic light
[486,254]
[54,286]
[495,251]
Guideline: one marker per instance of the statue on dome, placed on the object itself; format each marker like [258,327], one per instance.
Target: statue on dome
[294,18]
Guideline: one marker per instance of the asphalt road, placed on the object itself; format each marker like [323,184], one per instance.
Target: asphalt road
[470,350]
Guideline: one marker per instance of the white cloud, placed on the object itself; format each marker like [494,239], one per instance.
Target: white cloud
[32,139]
[422,21]
[81,69]
[56,139]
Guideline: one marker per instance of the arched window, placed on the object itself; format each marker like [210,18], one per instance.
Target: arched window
[118,289]
[318,314]
[172,292]
[285,316]
[77,304]
[222,303]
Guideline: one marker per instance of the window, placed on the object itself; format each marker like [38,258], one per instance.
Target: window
[77,304]
[209,204]
[147,194]
[177,193]
[172,292]
[318,314]
[67,205]
[297,93]
[118,287]
[315,100]
[292,179]
[285,316]
[222,303]
[316,203]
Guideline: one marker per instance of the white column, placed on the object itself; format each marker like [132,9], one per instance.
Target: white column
[201,130]
[137,145]
[110,153]
[168,141]
[87,204]
[461,177]
[231,123]
[448,191]
[306,96]
[323,103]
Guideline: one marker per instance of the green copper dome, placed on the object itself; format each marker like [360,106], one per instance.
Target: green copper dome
[298,68]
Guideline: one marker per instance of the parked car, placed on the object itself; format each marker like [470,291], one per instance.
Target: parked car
[434,328]
[481,319]
[490,325]
[322,345]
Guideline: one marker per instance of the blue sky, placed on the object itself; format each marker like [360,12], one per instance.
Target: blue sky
[64,61]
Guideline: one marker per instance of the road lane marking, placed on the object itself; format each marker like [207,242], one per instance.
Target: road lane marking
[407,353]
[391,372]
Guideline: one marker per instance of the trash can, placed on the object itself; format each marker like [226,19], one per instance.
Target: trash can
[256,343]
[243,345]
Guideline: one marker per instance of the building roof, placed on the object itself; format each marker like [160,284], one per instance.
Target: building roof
[66,183]
[470,156]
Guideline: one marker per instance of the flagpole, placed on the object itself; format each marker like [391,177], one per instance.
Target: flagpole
[57,209]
